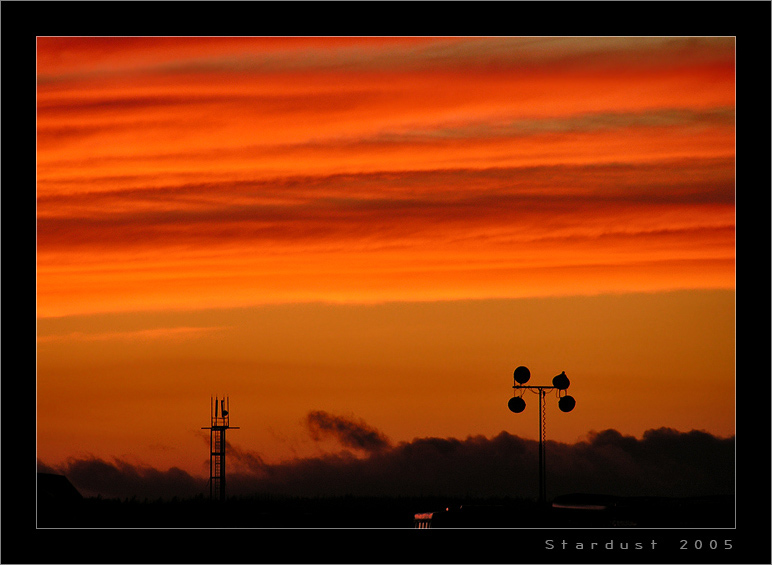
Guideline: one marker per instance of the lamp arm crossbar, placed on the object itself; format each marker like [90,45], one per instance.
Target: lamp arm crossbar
[539,387]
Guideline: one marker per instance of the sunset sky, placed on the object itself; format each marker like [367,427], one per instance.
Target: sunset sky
[379,229]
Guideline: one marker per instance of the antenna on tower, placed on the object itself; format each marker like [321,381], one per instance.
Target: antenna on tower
[219,423]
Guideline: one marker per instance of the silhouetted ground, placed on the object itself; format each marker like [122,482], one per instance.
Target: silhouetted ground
[382,512]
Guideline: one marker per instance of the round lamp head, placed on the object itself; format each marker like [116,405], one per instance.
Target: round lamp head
[522,374]
[561,382]
[567,403]
[516,404]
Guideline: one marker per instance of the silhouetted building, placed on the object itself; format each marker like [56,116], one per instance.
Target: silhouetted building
[599,510]
[54,489]
[58,502]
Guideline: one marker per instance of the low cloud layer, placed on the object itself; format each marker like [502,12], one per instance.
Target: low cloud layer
[664,462]
[120,479]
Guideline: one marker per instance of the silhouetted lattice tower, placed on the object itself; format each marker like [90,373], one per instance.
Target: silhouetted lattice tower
[220,423]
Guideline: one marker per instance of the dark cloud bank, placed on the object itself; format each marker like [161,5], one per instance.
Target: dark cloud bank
[664,462]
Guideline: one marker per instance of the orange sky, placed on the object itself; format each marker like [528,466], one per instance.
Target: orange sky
[379,227]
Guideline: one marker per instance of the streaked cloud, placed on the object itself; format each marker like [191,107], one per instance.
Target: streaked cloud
[186,55]
[350,432]
[221,175]
[177,334]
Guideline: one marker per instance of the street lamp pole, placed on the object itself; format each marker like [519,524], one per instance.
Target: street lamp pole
[542,454]
[516,404]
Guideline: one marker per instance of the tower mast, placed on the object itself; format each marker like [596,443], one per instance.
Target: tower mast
[219,412]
